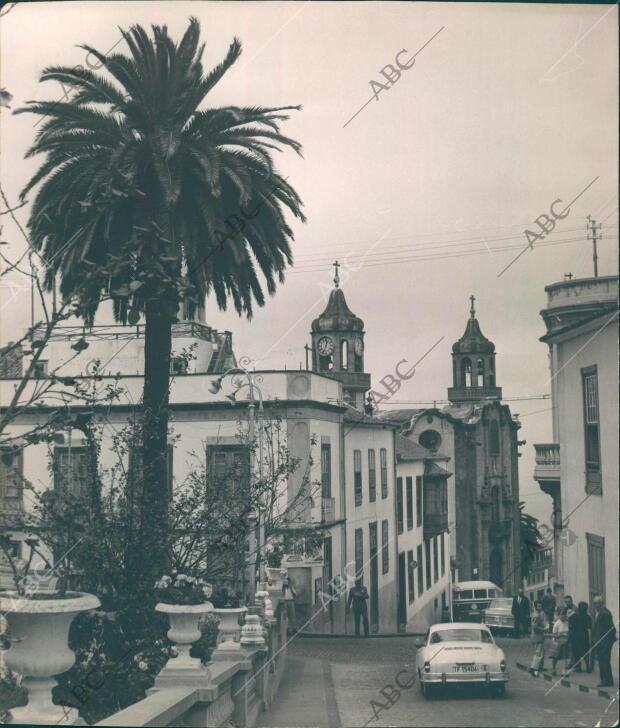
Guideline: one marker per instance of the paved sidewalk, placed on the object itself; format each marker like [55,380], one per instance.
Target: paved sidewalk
[519,652]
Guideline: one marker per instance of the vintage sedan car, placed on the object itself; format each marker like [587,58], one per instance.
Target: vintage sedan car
[498,615]
[460,652]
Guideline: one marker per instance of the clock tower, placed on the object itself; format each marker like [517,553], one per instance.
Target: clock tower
[338,346]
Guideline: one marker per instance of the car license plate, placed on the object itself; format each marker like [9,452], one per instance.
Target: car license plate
[465,667]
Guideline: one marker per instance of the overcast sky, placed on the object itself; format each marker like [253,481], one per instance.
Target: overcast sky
[508,108]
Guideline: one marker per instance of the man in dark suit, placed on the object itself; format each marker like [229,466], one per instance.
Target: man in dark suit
[603,638]
[521,613]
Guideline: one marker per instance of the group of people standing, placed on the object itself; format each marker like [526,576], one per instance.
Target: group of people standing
[567,632]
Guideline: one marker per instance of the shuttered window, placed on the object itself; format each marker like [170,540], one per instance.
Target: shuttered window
[384,473]
[372,477]
[357,476]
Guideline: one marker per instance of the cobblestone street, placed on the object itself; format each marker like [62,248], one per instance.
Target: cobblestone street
[331,682]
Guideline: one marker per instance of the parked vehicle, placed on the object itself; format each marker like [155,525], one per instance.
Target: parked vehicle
[498,615]
[459,652]
[471,598]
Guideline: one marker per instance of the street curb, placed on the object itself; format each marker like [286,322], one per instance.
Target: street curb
[319,635]
[569,684]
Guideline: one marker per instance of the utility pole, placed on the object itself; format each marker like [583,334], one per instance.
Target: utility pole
[594,235]
[307,349]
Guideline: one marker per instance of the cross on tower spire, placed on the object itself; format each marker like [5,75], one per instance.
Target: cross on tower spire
[472,310]
[336,277]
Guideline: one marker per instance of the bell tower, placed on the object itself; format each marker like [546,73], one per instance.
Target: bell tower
[338,346]
[473,365]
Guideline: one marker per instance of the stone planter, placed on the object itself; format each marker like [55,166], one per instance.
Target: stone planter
[39,633]
[228,647]
[275,576]
[184,631]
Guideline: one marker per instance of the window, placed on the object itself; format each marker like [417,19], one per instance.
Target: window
[589,378]
[420,572]
[372,477]
[39,370]
[480,593]
[326,471]
[430,439]
[357,476]
[344,354]
[596,566]
[410,569]
[491,374]
[427,565]
[399,504]
[480,372]
[71,470]
[409,482]
[359,553]
[384,484]
[466,372]
[443,554]
[385,552]
[418,499]
[11,476]
[178,365]
[135,465]
[228,466]
[435,559]
[493,437]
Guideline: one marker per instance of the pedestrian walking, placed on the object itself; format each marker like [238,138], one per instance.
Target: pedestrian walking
[579,626]
[521,613]
[539,628]
[558,649]
[569,606]
[603,638]
[549,606]
[289,595]
[358,596]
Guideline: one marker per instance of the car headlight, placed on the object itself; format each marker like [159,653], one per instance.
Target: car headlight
[502,665]
[427,667]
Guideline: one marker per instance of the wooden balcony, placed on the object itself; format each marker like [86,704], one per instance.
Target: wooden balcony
[435,523]
[547,468]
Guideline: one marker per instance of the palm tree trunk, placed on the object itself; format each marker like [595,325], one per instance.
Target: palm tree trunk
[151,552]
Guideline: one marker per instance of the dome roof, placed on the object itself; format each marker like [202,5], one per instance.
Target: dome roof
[473,341]
[337,315]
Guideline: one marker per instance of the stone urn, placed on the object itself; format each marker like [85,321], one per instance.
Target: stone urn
[274,576]
[184,631]
[252,632]
[38,630]
[228,637]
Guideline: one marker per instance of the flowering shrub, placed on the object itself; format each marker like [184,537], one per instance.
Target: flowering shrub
[182,589]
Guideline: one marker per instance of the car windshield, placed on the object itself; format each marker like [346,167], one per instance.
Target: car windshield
[501,604]
[461,635]
[465,594]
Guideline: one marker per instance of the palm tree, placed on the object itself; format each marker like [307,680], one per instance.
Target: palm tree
[139,199]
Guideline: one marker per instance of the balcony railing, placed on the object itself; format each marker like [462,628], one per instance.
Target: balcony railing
[435,523]
[473,394]
[328,510]
[547,462]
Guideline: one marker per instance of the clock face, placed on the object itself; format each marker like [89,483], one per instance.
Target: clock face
[325,346]
[359,346]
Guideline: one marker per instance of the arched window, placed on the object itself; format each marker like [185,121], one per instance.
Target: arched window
[491,374]
[480,372]
[344,354]
[495,504]
[466,372]
[493,438]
